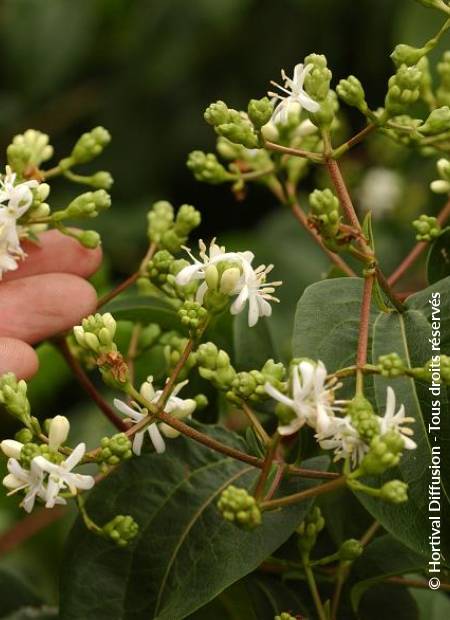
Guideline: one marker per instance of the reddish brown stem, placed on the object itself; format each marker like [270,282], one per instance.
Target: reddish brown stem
[342,192]
[356,139]
[417,250]
[327,487]
[363,339]
[89,387]
[28,527]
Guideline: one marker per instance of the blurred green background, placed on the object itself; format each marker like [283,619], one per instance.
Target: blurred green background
[146,70]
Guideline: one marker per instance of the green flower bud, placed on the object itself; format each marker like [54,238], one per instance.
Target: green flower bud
[394,491]
[201,401]
[88,204]
[192,314]
[273,373]
[13,396]
[89,239]
[240,132]
[217,113]
[427,227]
[363,418]
[27,454]
[24,435]
[350,550]
[260,111]
[215,366]
[309,529]
[101,180]
[160,220]
[239,507]
[352,93]
[96,333]
[159,267]
[90,145]
[188,218]
[403,89]
[443,90]
[285,615]
[206,168]
[122,529]
[391,365]
[28,150]
[385,452]
[317,81]
[325,212]
[437,122]
[113,450]
[407,55]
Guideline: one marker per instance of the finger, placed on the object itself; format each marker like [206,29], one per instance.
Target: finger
[17,357]
[35,308]
[56,253]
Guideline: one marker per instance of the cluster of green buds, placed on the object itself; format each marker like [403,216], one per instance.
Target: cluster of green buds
[437,122]
[285,615]
[404,89]
[13,397]
[239,507]
[192,315]
[214,365]
[317,85]
[233,125]
[250,386]
[391,365]
[440,367]
[174,344]
[207,168]
[427,228]
[363,418]
[325,216]
[28,151]
[384,452]
[351,91]
[121,530]
[96,333]
[89,204]
[308,531]
[168,231]
[113,450]
[394,492]
[89,146]
[442,185]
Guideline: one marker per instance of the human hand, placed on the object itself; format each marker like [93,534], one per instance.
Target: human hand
[46,295]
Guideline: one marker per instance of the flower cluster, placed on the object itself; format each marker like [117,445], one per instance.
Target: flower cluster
[231,274]
[43,472]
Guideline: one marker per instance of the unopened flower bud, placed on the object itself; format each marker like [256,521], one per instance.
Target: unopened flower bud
[90,145]
[147,390]
[217,113]
[212,277]
[391,365]
[260,111]
[317,80]
[427,227]
[58,431]
[101,180]
[122,529]
[407,55]
[239,507]
[394,491]
[437,122]
[350,550]
[351,91]
[11,448]
[229,280]
[309,529]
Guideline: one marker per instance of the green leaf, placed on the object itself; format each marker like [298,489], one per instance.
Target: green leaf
[327,324]
[438,259]
[407,334]
[186,552]
[33,613]
[144,310]
[14,593]
[382,558]
[253,346]
[432,605]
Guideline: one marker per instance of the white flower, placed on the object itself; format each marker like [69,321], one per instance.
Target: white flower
[58,431]
[294,93]
[61,477]
[11,448]
[249,286]
[312,398]
[342,437]
[381,191]
[178,407]
[15,200]
[252,287]
[392,421]
[29,480]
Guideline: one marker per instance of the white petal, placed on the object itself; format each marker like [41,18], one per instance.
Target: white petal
[275,394]
[156,438]
[137,443]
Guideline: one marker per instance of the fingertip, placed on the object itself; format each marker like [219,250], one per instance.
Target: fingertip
[18,357]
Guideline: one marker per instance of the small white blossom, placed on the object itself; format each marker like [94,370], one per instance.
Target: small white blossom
[15,200]
[249,286]
[58,431]
[342,437]
[61,477]
[392,421]
[294,95]
[312,398]
[29,480]
[11,448]
[177,407]
[381,191]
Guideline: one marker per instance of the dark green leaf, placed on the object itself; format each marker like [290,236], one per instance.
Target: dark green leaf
[14,593]
[186,553]
[382,558]
[438,260]
[253,346]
